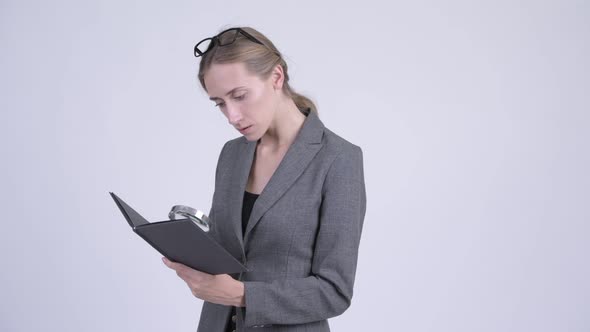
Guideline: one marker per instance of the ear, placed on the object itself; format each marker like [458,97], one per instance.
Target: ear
[277,77]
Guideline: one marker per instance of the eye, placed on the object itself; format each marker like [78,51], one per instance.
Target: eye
[240,97]
[219,105]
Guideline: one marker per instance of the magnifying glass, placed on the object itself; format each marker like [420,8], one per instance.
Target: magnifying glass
[197,216]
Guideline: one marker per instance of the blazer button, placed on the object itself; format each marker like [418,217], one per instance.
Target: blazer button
[233,318]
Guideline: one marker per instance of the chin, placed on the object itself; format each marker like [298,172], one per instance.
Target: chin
[251,137]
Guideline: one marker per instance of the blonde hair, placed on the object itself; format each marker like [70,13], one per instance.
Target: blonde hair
[259,60]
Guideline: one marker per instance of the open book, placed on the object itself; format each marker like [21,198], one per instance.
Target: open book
[182,241]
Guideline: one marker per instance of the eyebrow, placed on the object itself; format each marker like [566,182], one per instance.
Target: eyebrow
[230,92]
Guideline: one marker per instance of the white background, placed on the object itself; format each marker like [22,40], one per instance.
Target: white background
[473,117]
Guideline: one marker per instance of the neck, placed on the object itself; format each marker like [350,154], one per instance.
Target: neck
[284,127]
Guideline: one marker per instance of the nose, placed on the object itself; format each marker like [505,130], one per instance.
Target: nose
[234,115]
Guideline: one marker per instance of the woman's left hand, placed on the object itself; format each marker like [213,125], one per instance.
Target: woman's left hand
[220,289]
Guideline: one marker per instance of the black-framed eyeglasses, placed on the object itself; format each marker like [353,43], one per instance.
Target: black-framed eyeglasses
[223,38]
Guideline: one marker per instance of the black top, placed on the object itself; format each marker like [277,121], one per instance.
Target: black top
[249,199]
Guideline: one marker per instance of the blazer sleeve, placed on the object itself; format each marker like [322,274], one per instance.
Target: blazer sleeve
[327,291]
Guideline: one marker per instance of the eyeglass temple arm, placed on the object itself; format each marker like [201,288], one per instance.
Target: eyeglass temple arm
[252,38]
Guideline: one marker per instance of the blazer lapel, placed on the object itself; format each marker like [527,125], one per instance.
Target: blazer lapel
[243,164]
[306,145]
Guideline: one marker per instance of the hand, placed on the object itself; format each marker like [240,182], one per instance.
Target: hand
[220,289]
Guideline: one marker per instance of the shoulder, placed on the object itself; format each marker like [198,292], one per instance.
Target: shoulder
[234,143]
[335,144]
[344,159]
[224,159]
[231,148]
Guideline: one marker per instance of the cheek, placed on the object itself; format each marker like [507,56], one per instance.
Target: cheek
[255,105]
[266,102]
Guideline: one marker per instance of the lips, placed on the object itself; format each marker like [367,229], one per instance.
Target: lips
[245,129]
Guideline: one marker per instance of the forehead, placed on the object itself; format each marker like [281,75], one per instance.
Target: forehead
[221,78]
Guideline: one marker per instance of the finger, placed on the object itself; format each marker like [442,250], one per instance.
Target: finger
[178,267]
[167,262]
[172,265]
[185,272]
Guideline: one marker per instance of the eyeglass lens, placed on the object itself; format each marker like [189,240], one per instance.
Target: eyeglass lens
[225,38]
[204,45]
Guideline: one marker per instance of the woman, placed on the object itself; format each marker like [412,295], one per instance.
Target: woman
[289,199]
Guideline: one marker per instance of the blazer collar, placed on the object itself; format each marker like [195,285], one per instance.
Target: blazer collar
[311,131]
[307,143]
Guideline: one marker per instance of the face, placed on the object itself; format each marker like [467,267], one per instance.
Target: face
[247,101]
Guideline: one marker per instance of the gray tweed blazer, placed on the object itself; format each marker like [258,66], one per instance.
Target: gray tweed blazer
[302,239]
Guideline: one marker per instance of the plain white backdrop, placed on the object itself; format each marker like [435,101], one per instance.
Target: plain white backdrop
[473,116]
